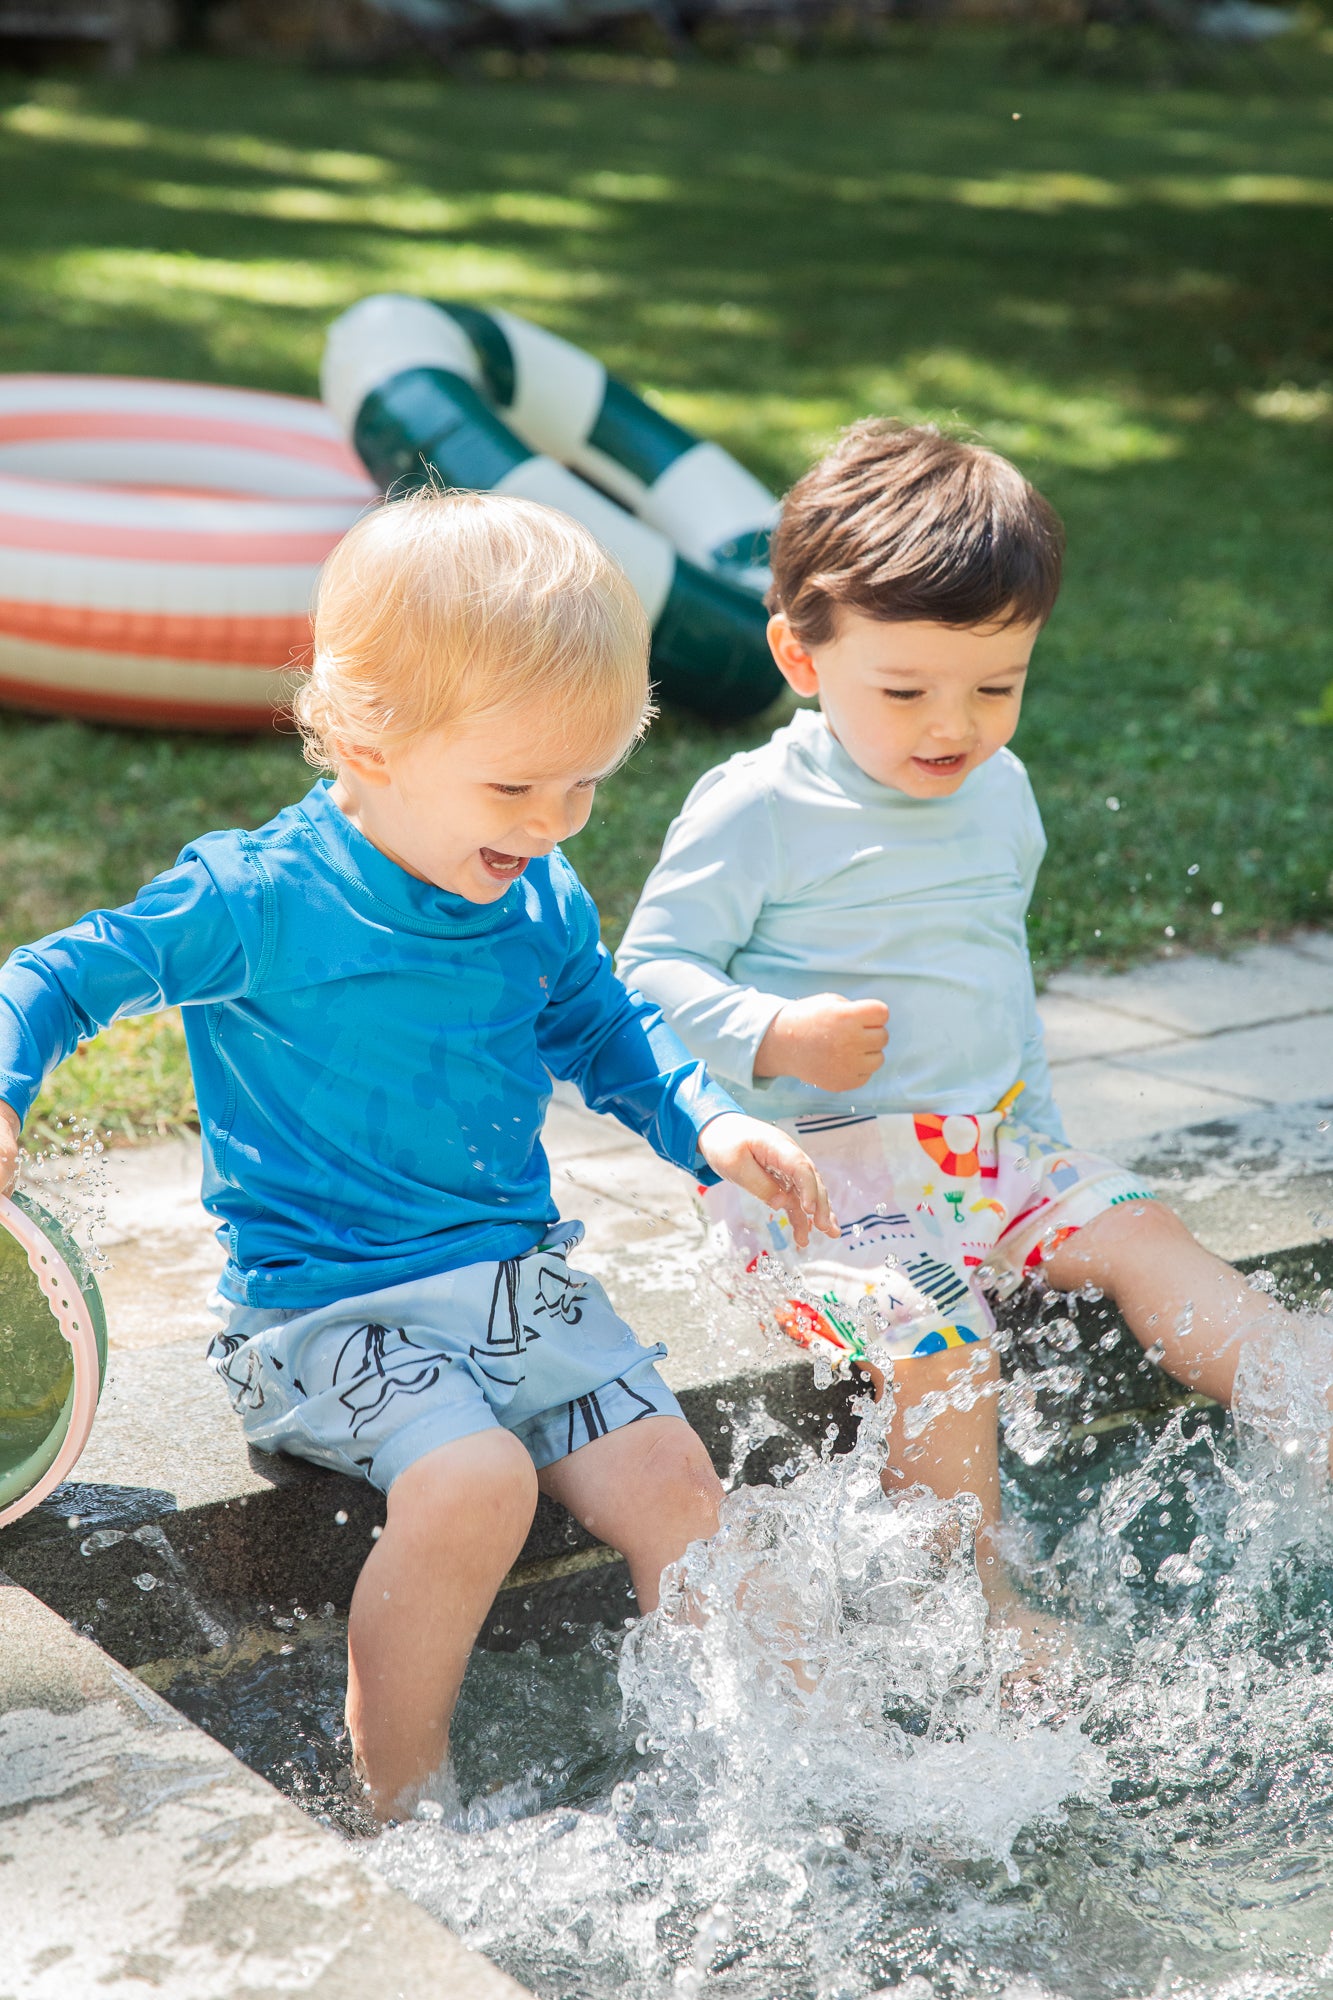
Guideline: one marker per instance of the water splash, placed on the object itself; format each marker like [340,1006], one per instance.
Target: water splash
[820,1729]
[822,1787]
[70,1177]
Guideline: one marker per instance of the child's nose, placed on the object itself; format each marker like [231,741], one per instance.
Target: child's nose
[551,820]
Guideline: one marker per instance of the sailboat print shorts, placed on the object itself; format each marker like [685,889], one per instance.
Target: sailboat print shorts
[936,1212]
[371,1384]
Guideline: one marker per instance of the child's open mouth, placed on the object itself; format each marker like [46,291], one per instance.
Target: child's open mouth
[941,767]
[503,867]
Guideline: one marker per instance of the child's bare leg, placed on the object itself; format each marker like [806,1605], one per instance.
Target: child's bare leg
[957,1450]
[457,1519]
[1173,1293]
[648,1490]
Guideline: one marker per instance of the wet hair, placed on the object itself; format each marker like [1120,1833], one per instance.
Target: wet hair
[900,521]
[444,607]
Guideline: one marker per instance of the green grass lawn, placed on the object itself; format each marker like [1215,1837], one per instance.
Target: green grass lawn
[1125,290]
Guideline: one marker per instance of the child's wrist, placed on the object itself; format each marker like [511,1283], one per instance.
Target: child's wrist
[774,1055]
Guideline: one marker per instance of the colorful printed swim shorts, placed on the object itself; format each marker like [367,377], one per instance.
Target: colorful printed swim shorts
[936,1210]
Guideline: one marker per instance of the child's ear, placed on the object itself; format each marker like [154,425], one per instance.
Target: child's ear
[361,761]
[794,662]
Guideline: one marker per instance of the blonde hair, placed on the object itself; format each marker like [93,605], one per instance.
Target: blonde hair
[441,607]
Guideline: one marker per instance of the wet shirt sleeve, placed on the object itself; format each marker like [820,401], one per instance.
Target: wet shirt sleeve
[698,909]
[176,942]
[615,1047]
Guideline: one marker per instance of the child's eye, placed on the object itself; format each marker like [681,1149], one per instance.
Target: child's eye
[511,791]
[903,694]
[999,691]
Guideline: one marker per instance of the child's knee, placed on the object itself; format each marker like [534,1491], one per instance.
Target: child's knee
[678,1474]
[1102,1249]
[488,1478]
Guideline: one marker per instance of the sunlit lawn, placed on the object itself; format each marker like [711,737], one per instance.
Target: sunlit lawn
[1122,289]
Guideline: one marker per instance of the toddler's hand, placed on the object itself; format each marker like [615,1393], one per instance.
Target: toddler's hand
[832,1043]
[765,1162]
[9,1147]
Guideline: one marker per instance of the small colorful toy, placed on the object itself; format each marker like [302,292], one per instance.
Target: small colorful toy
[823,1331]
[52,1354]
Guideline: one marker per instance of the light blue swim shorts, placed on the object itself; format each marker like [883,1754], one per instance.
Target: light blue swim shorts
[371,1384]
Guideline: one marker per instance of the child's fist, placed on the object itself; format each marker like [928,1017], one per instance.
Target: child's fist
[765,1162]
[832,1043]
[9,1147]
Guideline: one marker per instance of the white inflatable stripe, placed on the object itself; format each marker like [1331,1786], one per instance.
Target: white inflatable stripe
[197,683]
[127,395]
[610,474]
[201,590]
[162,462]
[558,389]
[704,499]
[647,558]
[153,513]
[382,337]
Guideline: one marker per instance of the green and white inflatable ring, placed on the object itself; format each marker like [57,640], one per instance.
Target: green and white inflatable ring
[419,389]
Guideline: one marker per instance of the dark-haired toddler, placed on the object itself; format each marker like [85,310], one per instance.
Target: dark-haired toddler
[837,926]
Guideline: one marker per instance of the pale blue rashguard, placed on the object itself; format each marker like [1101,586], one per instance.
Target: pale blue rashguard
[372,1055]
[790,872]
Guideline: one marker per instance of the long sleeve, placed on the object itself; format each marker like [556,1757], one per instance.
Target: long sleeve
[176,942]
[698,908]
[615,1046]
[1036,1107]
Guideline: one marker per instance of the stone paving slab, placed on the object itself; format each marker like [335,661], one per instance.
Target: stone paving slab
[1112,1107]
[160,1256]
[139,1858]
[1281,1063]
[1079,1029]
[1195,994]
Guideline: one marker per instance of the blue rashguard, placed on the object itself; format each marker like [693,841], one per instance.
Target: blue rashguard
[371,1055]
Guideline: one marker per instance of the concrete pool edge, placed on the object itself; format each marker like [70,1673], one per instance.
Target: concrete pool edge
[138,1850]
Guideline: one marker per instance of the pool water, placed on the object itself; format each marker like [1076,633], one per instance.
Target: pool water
[666,1811]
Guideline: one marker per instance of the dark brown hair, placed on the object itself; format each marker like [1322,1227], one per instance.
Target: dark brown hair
[901,522]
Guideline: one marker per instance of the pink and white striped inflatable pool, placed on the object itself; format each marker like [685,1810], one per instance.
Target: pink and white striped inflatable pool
[159,543]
